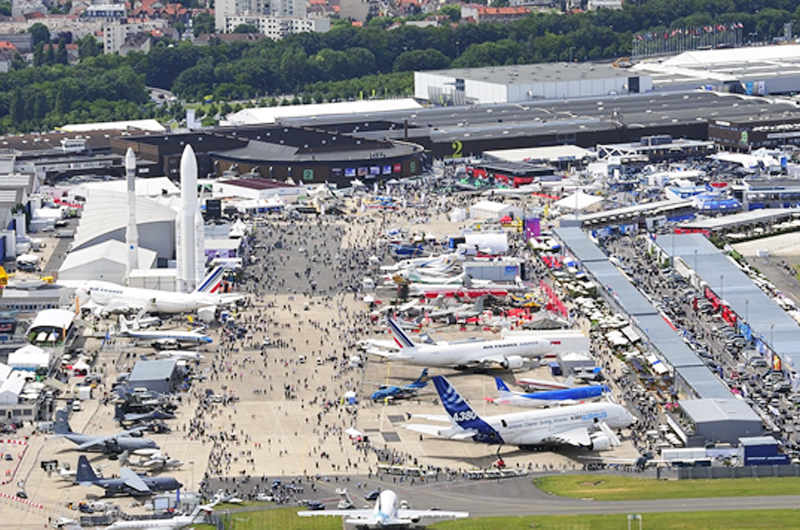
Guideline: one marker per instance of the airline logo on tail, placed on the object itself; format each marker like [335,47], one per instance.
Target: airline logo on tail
[212,282]
[400,336]
[502,389]
[462,414]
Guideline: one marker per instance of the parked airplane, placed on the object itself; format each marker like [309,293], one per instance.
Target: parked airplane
[155,462]
[136,417]
[460,312]
[433,264]
[400,392]
[113,444]
[174,523]
[109,297]
[387,513]
[181,355]
[128,483]
[569,396]
[588,426]
[544,384]
[507,354]
[174,334]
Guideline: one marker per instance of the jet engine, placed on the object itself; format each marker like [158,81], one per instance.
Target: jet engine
[512,362]
[599,442]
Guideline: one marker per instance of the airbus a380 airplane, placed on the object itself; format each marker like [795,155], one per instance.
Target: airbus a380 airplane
[385,514]
[112,297]
[508,354]
[589,426]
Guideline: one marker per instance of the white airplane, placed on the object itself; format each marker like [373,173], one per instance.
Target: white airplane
[175,523]
[545,384]
[590,426]
[109,297]
[181,355]
[507,354]
[174,334]
[433,264]
[156,462]
[386,514]
[549,398]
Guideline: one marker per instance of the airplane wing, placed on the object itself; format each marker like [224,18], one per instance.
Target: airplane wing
[359,515]
[442,432]
[578,437]
[118,304]
[433,417]
[404,513]
[132,480]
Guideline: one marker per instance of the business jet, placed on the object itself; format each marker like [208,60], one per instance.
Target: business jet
[387,513]
[109,297]
[181,355]
[173,523]
[506,354]
[589,426]
[567,396]
[386,392]
[545,384]
[173,334]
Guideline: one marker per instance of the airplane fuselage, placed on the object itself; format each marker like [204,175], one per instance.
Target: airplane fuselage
[540,426]
[110,294]
[471,353]
[553,397]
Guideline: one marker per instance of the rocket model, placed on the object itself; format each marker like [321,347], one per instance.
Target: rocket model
[187,252]
[132,232]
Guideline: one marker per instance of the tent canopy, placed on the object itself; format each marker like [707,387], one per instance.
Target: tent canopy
[578,201]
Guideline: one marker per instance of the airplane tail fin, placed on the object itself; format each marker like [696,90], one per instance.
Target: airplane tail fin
[123,325]
[422,380]
[400,337]
[478,305]
[570,381]
[212,282]
[118,414]
[461,414]
[61,426]
[85,475]
[502,389]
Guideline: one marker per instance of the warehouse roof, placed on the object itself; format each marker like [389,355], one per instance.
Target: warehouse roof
[533,73]
[714,410]
[153,370]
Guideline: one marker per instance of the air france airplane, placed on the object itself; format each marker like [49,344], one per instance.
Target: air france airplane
[589,426]
[110,297]
[569,396]
[508,354]
[385,514]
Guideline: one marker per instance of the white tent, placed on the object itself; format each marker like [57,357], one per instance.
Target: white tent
[578,200]
[494,210]
[105,261]
[29,357]
[11,389]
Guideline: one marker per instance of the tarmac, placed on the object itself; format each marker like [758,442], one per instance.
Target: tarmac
[289,419]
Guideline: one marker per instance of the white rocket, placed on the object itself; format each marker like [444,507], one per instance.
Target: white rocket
[132,232]
[190,226]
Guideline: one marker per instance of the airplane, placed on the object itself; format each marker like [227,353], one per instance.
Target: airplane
[544,384]
[507,354]
[107,296]
[400,392]
[386,514]
[69,474]
[588,426]
[135,417]
[113,444]
[434,264]
[173,523]
[181,355]
[460,312]
[155,462]
[128,483]
[174,334]
[569,396]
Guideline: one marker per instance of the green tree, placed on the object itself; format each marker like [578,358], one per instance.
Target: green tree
[89,47]
[61,53]
[5,9]
[245,28]
[50,54]
[40,33]
[453,11]
[203,23]
[38,54]
[420,60]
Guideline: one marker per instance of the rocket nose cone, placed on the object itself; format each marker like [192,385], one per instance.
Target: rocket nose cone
[188,161]
[130,159]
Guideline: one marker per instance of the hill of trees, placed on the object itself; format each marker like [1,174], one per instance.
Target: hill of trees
[346,62]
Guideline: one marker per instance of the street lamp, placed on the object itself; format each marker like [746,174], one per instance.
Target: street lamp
[695,261]
[747,311]
[721,287]
[191,464]
[771,347]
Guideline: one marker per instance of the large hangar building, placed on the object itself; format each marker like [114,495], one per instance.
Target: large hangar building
[530,82]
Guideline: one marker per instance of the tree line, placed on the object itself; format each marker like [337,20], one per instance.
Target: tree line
[346,62]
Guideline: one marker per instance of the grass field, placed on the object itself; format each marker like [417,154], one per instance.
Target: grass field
[617,488]
[286,519]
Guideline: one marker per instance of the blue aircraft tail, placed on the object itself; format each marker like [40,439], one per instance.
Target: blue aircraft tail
[461,413]
[61,426]
[422,380]
[211,283]
[502,389]
[85,475]
[118,414]
[400,337]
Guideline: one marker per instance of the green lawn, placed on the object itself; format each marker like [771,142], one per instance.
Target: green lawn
[772,519]
[280,519]
[617,488]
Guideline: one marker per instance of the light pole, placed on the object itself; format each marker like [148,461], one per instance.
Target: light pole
[695,261]
[747,311]
[191,464]
[721,287]
[771,347]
